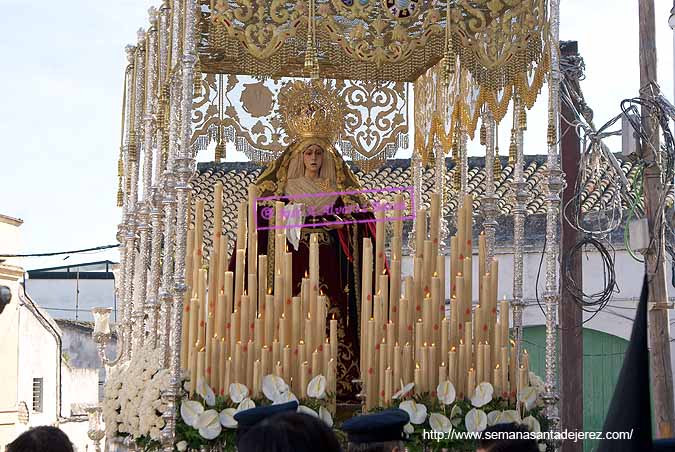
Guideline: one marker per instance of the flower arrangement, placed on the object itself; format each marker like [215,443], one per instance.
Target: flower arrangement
[132,404]
[208,420]
[444,413]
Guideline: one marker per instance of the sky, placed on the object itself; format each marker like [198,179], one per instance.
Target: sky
[61,89]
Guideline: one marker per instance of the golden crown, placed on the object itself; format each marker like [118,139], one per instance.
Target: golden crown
[310,109]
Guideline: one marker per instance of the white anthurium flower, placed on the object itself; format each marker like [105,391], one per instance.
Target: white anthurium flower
[209,424]
[205,392]
[416,411]
[285,398]
[439,423]
[475,420]
[325,416]
[482,395]
[532,424]
[245,404]
[273,386]
[317,387]
[181,446]
[494,417]
[509,416]
[456,415]
[408,428]
[404,391]
[227,418]
[446,392]
[528,395]
[307,410]
[238,392]
[190,411]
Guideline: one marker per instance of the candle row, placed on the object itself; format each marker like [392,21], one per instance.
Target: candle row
[237,332]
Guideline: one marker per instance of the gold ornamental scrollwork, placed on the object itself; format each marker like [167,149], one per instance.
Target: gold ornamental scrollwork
[244,110]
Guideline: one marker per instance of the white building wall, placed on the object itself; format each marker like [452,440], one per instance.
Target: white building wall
[9,351]
[59,296]
[38,354]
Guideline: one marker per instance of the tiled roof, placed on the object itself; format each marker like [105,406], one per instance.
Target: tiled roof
[236,177]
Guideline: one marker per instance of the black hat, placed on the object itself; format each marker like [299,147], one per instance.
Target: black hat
[376,428]
[248,418]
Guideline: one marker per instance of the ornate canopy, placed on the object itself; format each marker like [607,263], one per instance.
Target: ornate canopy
[460,54]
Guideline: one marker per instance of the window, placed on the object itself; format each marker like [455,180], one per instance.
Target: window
[37,395]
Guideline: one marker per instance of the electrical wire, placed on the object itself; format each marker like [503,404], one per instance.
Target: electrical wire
[97,248]
[594,302]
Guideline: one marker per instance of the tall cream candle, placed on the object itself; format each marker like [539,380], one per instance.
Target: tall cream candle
[333,338]
[387,386]
[228,292]
[480,362]
[461,370]
[420,232]
[497,381]
[244,319]
[402,321]
[397,363]
[468,205]
[434,219]
[296,321]
[201,362]
[445,343]
[487,364]
[286,364]
[316,364]
[470,382]
[212,371]
[452,366]
[379,245]
[239,277]
[304,369]
[262,280]
[395,290]
[266,359]
[257,379]
[252,232]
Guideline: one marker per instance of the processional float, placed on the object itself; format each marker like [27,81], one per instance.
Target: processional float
[189,327]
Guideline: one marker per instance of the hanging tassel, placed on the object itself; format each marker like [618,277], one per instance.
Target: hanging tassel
[220,151]
[311,56]
[133,155]
[120,194]
[448,54]
[483,134]
[197,91]
[497,164]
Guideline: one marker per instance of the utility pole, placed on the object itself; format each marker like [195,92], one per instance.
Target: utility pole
[659,334]
[571,315]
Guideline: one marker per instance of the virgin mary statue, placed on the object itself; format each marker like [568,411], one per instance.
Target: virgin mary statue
[309,176]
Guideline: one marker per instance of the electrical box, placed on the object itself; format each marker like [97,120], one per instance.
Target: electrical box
[639,234]
[630,140]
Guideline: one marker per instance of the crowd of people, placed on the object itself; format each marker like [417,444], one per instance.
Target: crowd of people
[280,428]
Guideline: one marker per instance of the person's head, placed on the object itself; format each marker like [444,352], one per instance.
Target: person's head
[312,158]
[289,432]
[506,438]
[248,419]
[377,432]
[41,439]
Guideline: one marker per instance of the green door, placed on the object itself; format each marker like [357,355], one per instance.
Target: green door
[603,357]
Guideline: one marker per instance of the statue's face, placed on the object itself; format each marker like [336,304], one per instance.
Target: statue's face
[313,157]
